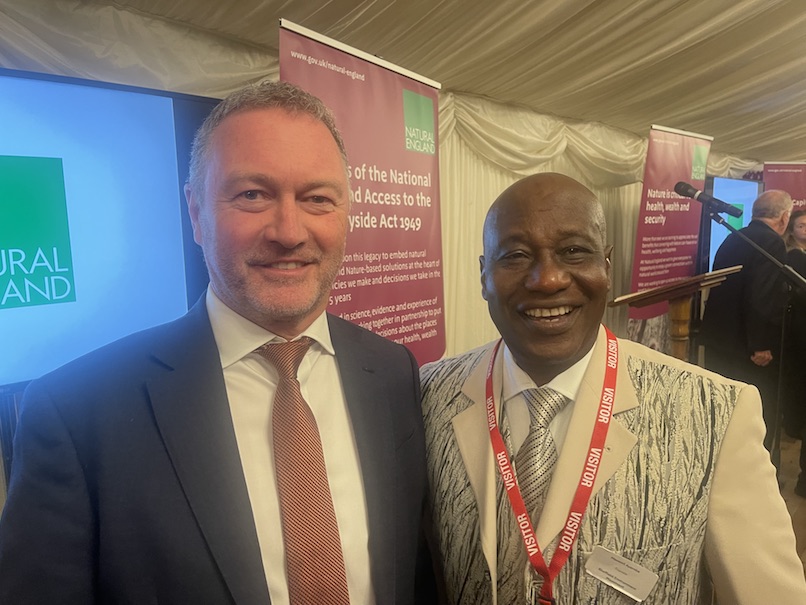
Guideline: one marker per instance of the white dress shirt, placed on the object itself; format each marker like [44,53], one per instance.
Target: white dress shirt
[251,382]
[516,409]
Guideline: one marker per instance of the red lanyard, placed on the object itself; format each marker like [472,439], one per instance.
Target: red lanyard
[586,480]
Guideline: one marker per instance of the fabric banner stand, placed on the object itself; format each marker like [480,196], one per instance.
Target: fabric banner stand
[391,281]
[668,226]
[789,176]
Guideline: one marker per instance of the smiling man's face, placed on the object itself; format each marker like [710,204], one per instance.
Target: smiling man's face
[545,272]
[273,220]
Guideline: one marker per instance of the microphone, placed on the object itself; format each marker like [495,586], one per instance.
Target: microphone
[687,190]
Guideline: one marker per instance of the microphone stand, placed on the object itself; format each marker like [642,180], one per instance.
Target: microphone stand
[793,280]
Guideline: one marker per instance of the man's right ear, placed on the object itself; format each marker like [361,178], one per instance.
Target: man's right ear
[482,276]
[193,212]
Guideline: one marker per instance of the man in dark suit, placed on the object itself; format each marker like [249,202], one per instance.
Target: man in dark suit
[145,472]
[741,327]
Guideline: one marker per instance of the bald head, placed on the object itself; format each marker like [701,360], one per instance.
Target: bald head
[545,272]
[532,191]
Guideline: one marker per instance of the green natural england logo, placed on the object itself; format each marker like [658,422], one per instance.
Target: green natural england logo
[36,264]
[699,162]
[418,114]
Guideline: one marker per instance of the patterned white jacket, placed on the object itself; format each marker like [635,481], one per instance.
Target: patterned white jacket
[684,488]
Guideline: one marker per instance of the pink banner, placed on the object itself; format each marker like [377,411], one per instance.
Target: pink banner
[668,224]
[391,281]
[789,176]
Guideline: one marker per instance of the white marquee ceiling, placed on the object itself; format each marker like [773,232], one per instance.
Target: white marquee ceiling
[732,69]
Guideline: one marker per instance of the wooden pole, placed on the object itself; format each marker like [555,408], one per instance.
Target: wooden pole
[679,322]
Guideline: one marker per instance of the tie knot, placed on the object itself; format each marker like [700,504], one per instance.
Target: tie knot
[544,404]
[286,356]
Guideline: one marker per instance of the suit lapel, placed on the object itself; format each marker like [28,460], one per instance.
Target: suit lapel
[473,439]
[362,375]
[191,410]
[577,441]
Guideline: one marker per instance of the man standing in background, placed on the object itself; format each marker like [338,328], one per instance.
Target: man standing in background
[741,326]
[255,450]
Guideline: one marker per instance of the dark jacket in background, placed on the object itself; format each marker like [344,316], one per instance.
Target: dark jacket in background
[744,314]
[795,354]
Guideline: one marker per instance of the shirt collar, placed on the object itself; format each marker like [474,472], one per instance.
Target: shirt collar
[516,380]
[237,337]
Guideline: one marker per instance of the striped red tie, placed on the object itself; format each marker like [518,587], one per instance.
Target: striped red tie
[314,560]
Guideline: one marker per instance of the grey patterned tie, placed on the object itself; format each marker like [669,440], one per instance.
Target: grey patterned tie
[534,464]
[535,460]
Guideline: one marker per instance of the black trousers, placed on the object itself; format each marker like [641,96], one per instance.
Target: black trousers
[740,367]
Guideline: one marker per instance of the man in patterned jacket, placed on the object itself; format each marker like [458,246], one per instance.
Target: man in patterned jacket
[632,476]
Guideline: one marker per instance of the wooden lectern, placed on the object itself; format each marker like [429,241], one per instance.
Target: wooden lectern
[679,295]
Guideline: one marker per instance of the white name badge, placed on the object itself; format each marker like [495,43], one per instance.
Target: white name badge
[620,573]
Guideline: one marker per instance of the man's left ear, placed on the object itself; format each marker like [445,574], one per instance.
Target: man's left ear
[608,254]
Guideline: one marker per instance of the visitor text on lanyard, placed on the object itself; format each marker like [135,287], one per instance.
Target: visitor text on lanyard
[584,489]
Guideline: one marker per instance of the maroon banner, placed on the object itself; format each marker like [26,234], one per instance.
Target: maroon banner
[391,280]
[668,224]
[789,176]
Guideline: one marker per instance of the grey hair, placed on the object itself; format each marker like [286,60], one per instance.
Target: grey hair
[262,95]
[772,204]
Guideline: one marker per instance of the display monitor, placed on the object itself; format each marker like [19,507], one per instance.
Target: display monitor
[95,242]
[737,192]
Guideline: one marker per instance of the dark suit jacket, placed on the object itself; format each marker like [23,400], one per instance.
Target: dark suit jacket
[743,314]
[794,377]
[127,484]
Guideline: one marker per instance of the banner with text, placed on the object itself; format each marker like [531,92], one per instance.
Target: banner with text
[668,224]
[391,280]
[789,176]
